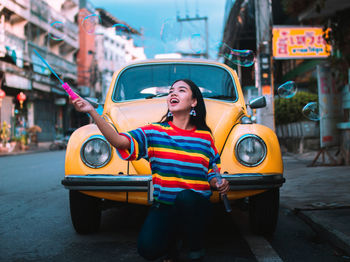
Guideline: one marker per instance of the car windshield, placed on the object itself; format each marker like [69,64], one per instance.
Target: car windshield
[154,80]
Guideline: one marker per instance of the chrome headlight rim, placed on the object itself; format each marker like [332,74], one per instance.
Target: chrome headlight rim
[262,143]
[82,156]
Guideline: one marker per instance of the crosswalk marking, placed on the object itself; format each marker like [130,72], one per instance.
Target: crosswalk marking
[259,246]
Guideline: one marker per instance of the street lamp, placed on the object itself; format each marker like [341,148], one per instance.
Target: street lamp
[21,97]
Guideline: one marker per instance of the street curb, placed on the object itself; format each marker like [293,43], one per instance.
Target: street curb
[25,152]
[326,232]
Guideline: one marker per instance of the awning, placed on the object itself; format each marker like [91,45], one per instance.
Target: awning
[304,67]
[41,87]
[330,8]
[58,90]
[17,81]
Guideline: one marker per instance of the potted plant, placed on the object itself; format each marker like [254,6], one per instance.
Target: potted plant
[5,136]
[33,134]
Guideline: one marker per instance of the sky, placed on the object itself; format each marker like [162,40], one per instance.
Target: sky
[153,15]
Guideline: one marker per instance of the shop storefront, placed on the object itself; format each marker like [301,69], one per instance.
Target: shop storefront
[29,103]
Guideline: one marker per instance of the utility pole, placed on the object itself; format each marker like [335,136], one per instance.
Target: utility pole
[197,18]
[264,74]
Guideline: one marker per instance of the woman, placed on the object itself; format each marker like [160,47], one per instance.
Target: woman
[181,153]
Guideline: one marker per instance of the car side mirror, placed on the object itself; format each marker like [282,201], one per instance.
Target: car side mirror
[258,102]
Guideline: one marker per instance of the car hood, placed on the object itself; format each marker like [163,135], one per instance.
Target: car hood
[221,116]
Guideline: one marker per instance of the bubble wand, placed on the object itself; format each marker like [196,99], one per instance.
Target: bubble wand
[224,196]
[64,85]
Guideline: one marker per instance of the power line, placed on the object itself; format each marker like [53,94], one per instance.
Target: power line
[186,8]
[177,9]
[190,20]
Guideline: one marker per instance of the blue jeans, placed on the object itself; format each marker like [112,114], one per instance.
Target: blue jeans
[187,219]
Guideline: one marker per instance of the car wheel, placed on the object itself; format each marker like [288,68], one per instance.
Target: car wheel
[85,212]
[263,212]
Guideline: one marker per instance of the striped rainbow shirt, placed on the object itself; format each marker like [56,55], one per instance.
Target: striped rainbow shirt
[180,159]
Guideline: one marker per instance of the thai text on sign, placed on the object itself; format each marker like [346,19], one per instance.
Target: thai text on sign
[299,42]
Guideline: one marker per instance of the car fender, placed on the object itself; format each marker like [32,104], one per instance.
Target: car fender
[74,164]
[272,163]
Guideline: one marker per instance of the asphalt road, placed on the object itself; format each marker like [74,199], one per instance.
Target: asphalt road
[35,224]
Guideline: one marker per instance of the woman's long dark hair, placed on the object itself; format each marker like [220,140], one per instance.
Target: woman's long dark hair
[199,121]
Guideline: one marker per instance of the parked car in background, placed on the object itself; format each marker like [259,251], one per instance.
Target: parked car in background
[61,140]
[250,153]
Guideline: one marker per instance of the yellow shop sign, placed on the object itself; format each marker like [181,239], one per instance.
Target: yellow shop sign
[294,42]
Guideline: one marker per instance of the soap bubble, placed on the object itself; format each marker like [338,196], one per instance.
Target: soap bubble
[120,29]
[197,43]
[56,31]
[90,23]
[244,58]
[311,111]
[170,31]
[287,90]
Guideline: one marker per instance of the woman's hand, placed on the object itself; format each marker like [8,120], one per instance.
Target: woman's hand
[224,187]
[82,105]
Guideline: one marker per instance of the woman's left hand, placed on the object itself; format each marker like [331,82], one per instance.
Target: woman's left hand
[224,187]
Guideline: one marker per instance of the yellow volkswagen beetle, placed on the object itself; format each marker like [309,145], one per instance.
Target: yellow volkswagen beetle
[250,153]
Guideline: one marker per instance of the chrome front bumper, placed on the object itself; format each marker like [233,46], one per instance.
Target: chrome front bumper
[107,183]
[246,181]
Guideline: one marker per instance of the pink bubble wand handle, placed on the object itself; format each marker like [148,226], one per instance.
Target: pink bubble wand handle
[70,91]
[64,85]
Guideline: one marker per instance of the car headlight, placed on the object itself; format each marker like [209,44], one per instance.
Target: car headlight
[250,150]
[96,152]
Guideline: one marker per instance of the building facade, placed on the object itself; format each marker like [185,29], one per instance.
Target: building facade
[50,28]
[115,47]
[79,42]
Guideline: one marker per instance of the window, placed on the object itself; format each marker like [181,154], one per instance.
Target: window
[142,81]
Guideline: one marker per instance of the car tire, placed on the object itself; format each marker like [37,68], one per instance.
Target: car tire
[85,212]
[263,212]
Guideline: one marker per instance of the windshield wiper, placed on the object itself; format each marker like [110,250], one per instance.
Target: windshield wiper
[156,95]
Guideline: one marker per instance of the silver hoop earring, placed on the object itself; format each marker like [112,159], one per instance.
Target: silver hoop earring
[169,114]
[193,112]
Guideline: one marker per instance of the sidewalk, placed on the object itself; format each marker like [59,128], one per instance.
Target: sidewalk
[42,147]
[320,196]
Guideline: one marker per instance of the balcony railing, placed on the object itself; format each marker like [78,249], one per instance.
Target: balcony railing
[23,3]
[44,12]
[72,29]
[70,3]
[40,9]
[62,64]
[14,42]
[19,7]
[59,64]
